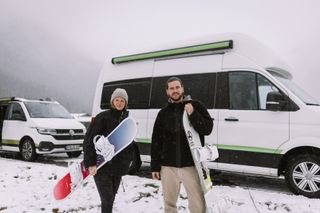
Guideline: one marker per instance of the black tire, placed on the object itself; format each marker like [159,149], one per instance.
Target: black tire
[74,154]
[28,150]
[303,175]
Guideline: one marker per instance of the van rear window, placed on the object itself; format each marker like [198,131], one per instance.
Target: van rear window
[201,87]
[138,91]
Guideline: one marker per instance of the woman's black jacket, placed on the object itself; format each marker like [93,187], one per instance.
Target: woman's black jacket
[169,145]
[103,124]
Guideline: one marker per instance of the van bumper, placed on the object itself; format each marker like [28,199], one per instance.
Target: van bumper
[47,147]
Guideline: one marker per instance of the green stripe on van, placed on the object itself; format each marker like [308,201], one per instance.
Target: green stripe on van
[222,45]
[143,140]
[10,142]
[249,149]
[228,147]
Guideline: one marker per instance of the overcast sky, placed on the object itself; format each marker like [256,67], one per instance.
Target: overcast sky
[57,48]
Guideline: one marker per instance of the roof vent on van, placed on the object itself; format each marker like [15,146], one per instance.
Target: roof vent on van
[221,45]
[279,72]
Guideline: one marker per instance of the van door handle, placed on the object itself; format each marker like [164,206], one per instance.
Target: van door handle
[231,119]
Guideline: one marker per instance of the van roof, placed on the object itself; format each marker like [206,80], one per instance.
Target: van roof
[9,99]
[238,43]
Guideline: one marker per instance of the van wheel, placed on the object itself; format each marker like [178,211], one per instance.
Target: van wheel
[303,175]
[28,150]
[74,154]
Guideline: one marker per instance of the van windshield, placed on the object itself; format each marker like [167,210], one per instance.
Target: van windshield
[304,96]
[47,110]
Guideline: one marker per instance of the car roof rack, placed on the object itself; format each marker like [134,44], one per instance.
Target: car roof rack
[215,46]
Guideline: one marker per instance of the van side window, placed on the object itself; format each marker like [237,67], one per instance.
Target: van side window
[3,109]
[15,112]
[200,86]
[138,91]
[243,91]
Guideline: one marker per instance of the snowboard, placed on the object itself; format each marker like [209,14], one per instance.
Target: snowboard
[118,139]
[196,147]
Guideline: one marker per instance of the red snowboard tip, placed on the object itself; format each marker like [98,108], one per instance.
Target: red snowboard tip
[62,188]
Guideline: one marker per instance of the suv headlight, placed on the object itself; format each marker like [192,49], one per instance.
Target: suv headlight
[45,131]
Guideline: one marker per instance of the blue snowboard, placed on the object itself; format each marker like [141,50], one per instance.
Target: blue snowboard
[120,138]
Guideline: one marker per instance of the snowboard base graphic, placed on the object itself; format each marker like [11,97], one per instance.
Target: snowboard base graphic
[195,145]
[119,138]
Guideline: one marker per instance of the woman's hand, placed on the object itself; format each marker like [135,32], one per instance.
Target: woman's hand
[92,170]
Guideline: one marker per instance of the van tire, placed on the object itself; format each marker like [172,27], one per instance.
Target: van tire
[28,150]
[74,154]
[304,169]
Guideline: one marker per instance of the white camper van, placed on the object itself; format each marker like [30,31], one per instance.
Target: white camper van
[34,127]
[264,124]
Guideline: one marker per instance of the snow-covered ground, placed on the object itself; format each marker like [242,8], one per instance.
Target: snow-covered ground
[27,188]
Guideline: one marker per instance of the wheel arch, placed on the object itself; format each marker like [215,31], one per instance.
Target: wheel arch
[24,138]
[294,152]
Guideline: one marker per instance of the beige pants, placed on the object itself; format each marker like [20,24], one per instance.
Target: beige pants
[171,179]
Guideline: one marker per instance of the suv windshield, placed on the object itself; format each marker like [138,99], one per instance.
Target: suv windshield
[47,110]
[305,97]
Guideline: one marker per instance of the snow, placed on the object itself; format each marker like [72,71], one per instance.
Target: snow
[28,187]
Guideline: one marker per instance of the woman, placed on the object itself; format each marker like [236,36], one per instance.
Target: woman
[108,177]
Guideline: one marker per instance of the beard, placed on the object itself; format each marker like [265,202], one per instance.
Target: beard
[176,97]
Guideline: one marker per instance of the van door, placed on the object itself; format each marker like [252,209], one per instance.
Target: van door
[248,133]
[14,126]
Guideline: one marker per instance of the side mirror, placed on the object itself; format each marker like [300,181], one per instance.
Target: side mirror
[275,101]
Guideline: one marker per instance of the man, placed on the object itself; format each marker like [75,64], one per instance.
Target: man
[171,159]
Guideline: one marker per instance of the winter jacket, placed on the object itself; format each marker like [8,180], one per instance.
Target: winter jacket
[169,145]
[103,124]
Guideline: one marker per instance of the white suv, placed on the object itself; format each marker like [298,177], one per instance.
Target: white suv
[34,127]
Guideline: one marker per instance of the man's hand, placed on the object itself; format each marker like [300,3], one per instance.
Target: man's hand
[156,175]
[92,170]
[189,108]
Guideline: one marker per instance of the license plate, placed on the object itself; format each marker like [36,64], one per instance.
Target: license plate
[72,147]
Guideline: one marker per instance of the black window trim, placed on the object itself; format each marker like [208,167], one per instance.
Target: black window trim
[151,80]
[291,104]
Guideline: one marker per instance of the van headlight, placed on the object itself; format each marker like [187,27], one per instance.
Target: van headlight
[45,131]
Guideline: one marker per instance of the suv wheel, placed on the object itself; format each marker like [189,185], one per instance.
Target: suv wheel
[74,154]
[303,175]
[28,150]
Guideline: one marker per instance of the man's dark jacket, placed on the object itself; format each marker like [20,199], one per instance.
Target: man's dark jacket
[103,124]
[169,145]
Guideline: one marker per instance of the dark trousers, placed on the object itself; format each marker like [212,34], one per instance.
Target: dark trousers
[107,187]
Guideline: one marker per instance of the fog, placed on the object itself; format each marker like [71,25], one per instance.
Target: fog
[57,48]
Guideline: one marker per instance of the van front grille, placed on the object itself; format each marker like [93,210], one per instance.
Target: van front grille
[69,134]
[68,137]
[66,131]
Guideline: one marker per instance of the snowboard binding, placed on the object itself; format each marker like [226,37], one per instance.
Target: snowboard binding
[103,147]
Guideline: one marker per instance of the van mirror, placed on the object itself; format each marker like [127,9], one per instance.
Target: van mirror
[275,101]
